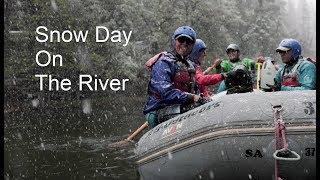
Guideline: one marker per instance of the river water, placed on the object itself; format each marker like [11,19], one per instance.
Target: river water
[69,139]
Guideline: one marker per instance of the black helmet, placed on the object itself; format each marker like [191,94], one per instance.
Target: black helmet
[239,81]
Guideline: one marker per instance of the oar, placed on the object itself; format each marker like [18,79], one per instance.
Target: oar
[129,139]
[258,75]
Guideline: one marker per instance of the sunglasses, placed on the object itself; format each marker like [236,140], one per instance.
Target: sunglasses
[231,51]
[284,52]
[185,39]
[203,51]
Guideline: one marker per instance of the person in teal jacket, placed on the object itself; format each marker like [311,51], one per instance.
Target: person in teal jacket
[298,73]
[234,62]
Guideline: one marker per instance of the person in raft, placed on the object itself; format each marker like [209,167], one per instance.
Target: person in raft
[172,80]
[298,73]
[204,79]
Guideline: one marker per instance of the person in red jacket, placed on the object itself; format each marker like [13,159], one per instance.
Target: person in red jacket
[203,79]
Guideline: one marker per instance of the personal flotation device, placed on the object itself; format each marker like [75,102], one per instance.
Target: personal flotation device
[291,77]
[184,76]
[150,62]
[183,79]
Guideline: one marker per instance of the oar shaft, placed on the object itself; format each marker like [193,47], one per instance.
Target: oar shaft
[258,75]
[142,127]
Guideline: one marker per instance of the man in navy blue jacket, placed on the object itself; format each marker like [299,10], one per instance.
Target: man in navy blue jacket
[172,79]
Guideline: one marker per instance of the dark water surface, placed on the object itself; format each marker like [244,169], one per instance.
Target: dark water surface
[69,139]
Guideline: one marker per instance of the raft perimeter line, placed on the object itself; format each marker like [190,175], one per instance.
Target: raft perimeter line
[223,133]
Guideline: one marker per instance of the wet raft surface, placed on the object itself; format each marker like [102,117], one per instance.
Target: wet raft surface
[231,134]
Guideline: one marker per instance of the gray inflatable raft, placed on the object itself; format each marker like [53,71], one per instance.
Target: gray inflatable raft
[233,137]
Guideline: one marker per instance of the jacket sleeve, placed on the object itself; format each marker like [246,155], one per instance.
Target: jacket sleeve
[307,78]
[205,80]
[161,83]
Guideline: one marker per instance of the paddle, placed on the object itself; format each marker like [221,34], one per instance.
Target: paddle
[129,139]
[258,75]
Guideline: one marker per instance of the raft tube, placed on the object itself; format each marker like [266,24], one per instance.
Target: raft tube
[233,137]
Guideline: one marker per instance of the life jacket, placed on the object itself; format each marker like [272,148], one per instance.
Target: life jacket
[291,78]
[150,62]
[184,78]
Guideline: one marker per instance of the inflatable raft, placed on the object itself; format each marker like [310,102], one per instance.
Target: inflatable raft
[233,137]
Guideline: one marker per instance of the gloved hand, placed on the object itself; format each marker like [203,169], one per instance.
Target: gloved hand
[203,100]
[224,75]
[216,62]
[195,101]
[196,98]
[260,59]
[200,99]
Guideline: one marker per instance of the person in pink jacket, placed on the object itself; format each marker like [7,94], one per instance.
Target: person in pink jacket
[204,79]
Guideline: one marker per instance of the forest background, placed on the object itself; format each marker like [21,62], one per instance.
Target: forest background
[257,26]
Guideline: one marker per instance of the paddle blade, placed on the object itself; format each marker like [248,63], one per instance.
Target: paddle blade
[119,144]
[129,141]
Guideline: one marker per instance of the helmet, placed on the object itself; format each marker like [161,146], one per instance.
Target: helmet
[198,46]
[233,46]
[239,81]
[287,44]
[186,31]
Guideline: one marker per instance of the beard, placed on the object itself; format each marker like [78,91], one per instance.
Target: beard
[234,59]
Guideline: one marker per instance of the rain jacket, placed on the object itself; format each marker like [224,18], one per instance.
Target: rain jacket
[227,66]
[302,73]
[161,89]
[204,80]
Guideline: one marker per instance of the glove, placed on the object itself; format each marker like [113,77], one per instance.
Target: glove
[203,100]
[224,75]
[260,59]
[199,100]
[196,98]
[216,63]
